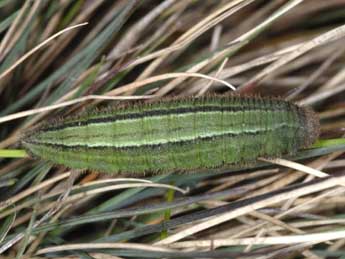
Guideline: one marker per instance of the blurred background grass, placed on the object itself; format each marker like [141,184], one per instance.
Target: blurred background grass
[134,49]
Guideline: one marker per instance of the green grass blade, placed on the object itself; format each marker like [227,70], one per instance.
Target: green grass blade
[13,153]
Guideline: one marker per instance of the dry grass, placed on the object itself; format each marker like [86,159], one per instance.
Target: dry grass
[62,57]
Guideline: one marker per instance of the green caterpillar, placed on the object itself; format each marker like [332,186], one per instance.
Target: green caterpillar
[177,135]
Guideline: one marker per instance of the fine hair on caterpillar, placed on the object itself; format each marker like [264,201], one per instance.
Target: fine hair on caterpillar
[177,134]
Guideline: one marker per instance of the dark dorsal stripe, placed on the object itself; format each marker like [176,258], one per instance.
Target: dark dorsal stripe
[162,112]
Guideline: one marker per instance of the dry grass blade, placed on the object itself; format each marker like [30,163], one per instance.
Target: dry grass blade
[327,37]
[102,246]
[12,35]
[280,240]
[246,209]
[297,166]
[68,103]
[38,47]
[135,85]
[14,199]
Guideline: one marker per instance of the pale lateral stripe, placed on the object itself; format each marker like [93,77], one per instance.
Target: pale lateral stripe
[172,140]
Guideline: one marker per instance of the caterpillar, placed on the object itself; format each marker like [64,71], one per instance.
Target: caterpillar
[176,135]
